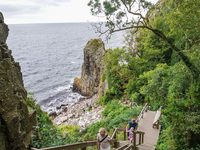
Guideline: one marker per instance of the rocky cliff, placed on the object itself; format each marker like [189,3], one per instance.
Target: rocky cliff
[16,122]
[92,79]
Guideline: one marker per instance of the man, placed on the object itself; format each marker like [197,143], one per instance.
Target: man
[132,124]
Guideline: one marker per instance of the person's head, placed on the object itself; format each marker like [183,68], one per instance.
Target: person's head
[102,131]
[133,120]
[131,129]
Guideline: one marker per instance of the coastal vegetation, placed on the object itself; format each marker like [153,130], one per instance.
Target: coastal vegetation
[95,43]
[162,68]
[114,116]
[48,135]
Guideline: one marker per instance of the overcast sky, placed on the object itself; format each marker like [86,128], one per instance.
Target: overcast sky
[46,11]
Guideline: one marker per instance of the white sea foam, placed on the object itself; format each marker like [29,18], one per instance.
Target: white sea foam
[58,89]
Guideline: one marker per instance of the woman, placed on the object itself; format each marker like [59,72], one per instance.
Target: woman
[103,140]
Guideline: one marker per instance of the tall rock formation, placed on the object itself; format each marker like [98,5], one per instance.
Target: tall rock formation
[16,122]
[93,70]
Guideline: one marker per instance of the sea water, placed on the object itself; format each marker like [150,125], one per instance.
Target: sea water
[51,56]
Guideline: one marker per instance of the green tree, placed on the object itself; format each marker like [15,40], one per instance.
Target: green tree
[118,72]
[129,14]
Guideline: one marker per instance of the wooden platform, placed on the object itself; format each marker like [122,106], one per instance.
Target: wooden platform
[151,134]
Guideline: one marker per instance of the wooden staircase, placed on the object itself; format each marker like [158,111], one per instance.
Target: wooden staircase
[144,139]
[151,134]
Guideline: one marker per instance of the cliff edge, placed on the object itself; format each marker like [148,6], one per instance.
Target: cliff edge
[16,122]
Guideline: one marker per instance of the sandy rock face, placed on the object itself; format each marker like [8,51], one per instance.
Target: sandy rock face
[92,69]
[16,121]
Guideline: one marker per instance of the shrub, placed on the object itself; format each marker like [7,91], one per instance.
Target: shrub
[46,134]
[115,117]
[106,98]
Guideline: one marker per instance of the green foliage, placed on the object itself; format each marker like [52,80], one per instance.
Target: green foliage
[133,89]
[181,118]
[115,116]
[46,134]
[118,72]
[156,89]
[173,88]
[116,11]
[108,76]
[187,111]
[174,58]
[185,21]
[103,77]
[30,101]
[89,109]
[160,70]
[137,97]
[95,43]
[106,98]
[124,117]
[110,107]
[90,132]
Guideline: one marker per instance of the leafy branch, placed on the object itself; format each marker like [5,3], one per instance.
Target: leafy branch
[130,14]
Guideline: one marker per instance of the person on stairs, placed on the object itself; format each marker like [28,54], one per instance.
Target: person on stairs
[103,140]
[130,137]
[131,124]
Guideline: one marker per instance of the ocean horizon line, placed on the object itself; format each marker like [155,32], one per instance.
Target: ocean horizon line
[51,23]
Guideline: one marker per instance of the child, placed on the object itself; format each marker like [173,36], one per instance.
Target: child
[130,134]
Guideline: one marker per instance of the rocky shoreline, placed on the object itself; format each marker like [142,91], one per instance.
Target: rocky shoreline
[75,114]
[92,84]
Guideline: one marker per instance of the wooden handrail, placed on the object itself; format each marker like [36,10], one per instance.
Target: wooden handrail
[156,120]
[134,145]
[122,147]
[70,146]
[115,132]
[135,104]
[144,109]
[75,146]
[83,145]
[129,147]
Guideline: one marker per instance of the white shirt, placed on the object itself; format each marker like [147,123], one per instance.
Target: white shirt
[105,145]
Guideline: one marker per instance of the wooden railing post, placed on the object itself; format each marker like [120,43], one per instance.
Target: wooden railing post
[134,141]
[125,135]
[114,137]
[146,108]
[140,138]
[143,138]
[142,113]
[156,120]
[158,124]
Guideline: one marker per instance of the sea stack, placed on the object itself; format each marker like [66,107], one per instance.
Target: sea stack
[93,70]
[16,122]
